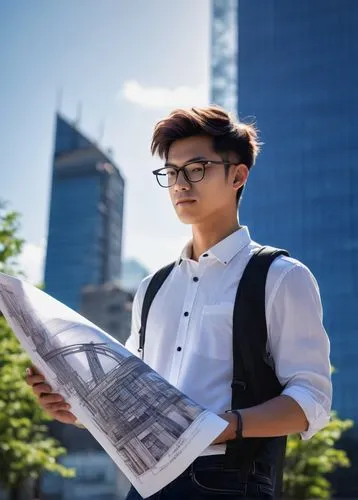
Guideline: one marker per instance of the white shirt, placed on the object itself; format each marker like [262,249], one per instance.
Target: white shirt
[194,351]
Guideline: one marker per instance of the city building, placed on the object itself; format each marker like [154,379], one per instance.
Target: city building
[291,66]
[84,248]
[109,307]
[86,216]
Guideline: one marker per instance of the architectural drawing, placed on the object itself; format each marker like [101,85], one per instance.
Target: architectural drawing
[137,416]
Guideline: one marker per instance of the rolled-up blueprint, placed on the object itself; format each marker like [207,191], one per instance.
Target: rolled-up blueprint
[149,428]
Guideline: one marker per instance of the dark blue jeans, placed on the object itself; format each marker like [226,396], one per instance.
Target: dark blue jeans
[206,477]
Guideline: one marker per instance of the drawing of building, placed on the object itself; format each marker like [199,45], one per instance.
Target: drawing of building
[156,414]
[140,413]
[27,320]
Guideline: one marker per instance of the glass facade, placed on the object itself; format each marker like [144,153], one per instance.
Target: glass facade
[297,74]
[224,53]
[86,217]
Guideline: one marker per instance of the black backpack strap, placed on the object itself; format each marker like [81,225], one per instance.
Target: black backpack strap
[250,333]
[154,285]
[254,381]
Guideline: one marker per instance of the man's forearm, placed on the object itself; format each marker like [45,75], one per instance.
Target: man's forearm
[278,417]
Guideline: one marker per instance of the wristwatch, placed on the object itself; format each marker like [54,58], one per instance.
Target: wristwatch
[238,435]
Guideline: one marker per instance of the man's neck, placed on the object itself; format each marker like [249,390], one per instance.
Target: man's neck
[205,236]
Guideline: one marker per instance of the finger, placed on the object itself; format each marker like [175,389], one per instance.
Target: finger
[41,388]
[64,406]
[34,379]
[55,407]
[46,399]
[66,416]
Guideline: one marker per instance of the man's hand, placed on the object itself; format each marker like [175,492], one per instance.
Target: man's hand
[54,404]
[229,432]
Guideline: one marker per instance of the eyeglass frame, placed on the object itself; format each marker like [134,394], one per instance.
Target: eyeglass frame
[183,169]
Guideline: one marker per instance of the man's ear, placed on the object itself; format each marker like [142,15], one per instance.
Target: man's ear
[240,176]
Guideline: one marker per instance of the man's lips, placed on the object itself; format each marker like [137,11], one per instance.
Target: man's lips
[185,201]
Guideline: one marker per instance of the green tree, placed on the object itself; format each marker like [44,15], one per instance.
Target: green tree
[308,462]
[10,243]
[26,449]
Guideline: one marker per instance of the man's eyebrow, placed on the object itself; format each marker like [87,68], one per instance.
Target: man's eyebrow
[191,160]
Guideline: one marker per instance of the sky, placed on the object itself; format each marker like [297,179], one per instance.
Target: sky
[118,66]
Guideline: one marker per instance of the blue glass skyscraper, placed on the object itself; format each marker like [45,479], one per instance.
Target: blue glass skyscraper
[293,66]
[86,217]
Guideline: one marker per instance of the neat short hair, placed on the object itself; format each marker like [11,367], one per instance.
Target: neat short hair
[228,134]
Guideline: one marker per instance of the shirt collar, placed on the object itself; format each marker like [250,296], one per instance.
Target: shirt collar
[225,250]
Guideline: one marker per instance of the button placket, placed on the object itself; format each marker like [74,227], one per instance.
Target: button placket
[184,326]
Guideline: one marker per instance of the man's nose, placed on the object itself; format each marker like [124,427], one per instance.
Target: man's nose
[181,182]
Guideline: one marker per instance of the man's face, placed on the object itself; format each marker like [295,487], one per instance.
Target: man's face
[215,194]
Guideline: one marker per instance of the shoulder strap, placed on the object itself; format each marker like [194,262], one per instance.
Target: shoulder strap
[154,285]
[250,333]
[254,381]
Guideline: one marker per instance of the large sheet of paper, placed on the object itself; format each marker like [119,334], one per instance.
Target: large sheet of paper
[149,428]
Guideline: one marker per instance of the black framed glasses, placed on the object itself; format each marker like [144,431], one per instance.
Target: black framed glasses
[193,172]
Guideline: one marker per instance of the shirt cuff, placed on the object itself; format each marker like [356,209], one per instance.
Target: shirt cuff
[317,416]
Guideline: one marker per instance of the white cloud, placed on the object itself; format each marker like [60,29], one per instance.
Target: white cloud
[163,97]
[31,262]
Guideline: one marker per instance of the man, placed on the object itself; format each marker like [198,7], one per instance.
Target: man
[207,158]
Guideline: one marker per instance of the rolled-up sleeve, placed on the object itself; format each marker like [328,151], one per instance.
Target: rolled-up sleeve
[300,346]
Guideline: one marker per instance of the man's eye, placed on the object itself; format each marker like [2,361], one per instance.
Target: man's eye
[196,168]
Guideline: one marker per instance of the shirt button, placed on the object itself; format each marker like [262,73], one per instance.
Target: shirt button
[195,279]
[179,348]
[186,313]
